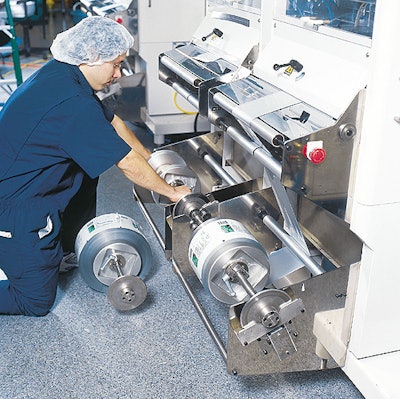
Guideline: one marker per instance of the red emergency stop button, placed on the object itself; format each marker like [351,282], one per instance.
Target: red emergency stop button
[119,20]
[317,155]
[314,152]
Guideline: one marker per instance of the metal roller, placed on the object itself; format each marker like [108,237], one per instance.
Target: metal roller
[170,166]
[180,71]
[113,255]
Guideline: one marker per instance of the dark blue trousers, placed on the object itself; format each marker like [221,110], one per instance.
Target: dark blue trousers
[30,254]
[31,249]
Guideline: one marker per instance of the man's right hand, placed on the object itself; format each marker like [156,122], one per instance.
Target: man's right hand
[179,192]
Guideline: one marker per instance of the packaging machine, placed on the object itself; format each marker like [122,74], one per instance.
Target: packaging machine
[289,185]
[292,222]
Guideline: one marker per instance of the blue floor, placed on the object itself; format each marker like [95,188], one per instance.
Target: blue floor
[86,349]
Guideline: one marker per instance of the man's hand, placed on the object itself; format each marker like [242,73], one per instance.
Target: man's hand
[137,170]
[179,192]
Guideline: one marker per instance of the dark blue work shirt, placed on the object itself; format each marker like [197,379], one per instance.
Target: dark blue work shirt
[52,130]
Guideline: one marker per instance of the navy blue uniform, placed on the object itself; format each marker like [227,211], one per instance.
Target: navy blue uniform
[54,135]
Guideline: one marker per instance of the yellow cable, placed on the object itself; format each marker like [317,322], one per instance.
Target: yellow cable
[50,4]
[181,109]
[40,61]
[25,66]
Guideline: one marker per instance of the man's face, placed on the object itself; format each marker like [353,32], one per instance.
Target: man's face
[100,76]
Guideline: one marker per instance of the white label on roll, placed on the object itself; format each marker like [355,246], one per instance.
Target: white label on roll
[210,237]
[102,223]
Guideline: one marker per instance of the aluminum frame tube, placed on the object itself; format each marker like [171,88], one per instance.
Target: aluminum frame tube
[147,216]
[186,94]
[258,152]
[276,229]
[259,127]
[196,303]
[177,69]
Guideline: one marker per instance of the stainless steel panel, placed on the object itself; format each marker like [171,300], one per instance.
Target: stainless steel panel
[329,234]
[328,180]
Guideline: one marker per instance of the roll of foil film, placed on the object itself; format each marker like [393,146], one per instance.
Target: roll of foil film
[106,237]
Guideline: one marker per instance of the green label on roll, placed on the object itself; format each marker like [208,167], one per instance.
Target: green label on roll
[227,229]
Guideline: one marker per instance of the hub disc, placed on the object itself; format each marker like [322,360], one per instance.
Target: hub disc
[263,308]
[188,203]
[127,293]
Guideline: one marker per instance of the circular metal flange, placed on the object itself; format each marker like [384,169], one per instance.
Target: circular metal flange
[189,203]
[263,308]
[177,175]
[163,158]
[116,240]
[127,293]
[172,168]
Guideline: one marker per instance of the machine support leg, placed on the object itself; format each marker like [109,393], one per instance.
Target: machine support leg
[207,322]
[149,220]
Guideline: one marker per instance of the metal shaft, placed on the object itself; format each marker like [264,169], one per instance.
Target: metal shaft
[117,265]
[275,228]
[218,169]
[244,282]
[195,215]
[254,149]
[186,94]
[210,161]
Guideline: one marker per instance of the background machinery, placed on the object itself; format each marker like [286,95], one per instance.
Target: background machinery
[156,26]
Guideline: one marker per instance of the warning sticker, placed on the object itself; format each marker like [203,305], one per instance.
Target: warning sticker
[289,70]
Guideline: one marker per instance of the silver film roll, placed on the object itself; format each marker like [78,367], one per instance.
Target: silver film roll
[109,240]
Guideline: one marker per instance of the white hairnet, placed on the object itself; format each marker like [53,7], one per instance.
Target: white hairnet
[92,41]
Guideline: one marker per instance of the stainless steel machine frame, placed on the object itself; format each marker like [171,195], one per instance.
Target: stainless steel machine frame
[280,161]
[259,211]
